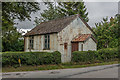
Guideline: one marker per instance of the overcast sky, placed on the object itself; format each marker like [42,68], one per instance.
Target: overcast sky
[96,12]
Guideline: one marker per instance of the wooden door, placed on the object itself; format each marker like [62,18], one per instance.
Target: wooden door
[75,46]
[65,48]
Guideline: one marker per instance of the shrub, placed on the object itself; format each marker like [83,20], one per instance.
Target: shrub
[107,54]
[83,56]
[31,58]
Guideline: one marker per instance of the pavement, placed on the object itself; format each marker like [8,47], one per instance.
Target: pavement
[105,71]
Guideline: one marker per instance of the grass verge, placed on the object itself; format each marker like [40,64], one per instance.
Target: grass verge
[51,67]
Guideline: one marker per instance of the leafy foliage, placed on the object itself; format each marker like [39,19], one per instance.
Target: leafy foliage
[107,33]
[18,10]
[62,9]
[71,8]
[83,56]
[10,12]
[10,39]
[42,58]
[49,14]
[108,54]
[30,58]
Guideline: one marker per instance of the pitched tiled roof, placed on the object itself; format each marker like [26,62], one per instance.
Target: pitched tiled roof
[83,37]
[54,26]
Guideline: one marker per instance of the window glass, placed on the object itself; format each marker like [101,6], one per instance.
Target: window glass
[47,42]
[31,42]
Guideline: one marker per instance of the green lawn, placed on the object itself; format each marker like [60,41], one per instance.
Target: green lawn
[51,67]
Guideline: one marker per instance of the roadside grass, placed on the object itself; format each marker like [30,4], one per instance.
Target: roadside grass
[52,67]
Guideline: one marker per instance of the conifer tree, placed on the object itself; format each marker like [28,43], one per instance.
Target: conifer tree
[61,9]
[71,8]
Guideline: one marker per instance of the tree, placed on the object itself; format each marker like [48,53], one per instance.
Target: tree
[62,9]
[18,10]
[10,12]
[10,40]
[107,33]
[71,8]
[49,14]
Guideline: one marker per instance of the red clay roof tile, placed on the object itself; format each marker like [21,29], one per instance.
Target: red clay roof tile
[83,37]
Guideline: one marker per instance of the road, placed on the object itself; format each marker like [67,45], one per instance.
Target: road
[105,71]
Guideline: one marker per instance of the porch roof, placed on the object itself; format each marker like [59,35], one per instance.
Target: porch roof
[83,38]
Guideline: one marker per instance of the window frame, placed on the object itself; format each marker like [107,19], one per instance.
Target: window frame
[47,42]
[81,47]
[31,42]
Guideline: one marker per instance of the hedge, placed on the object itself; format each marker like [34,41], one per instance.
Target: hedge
[40,58]
[31,58]
[108,54]
[83,56]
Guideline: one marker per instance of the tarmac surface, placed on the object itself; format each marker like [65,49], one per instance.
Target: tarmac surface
[105,71]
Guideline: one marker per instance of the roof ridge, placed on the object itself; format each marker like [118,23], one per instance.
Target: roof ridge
[55,25]
[58,18]
[49,26]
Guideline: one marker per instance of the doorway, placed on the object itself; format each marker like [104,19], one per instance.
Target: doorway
[74,46]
